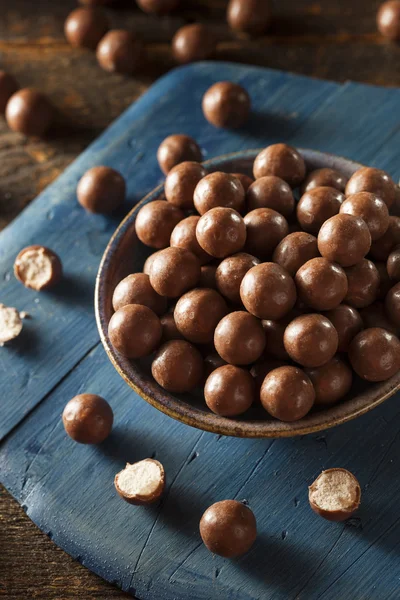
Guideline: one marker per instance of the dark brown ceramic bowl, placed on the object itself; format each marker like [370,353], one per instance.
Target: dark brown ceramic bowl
[125,254]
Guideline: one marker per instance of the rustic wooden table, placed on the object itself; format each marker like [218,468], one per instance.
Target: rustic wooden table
[333,40]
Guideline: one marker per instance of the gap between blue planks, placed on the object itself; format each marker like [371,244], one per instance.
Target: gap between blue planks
[67,489]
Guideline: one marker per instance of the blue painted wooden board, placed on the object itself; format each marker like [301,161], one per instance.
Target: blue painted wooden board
[67,489]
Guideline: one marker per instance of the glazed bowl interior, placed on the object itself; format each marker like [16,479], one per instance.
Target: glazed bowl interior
[125,254]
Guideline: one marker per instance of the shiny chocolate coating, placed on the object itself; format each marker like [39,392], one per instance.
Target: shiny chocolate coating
[159,7]
[155,223]
[295,250]
[375,181]
[198,312]
[380,249]
[388,19]
[229,391]
[344,239]
[370,208]
[324,178]
[136,289]
[245,180]
[265,229]
[85,27]
[169,328]
[268,291]
[208,277]
[181,182]
[321,284]
[29,112]
[211,362]
[8,87]
[88,419]
[392,304]
[271,192]
[174,272]
[311,340]
[228,528]
[226,105]
[363,280]
[282,161]
[178,366]
[230,273]
[184,236]
[149,262]
[375,354]
[385,283]
[193,42]
[375,315]
[120,51]
[317,206]
[221,232]
[249,16]
[101,190]
[274,332]
[134,331]
[331,382]
[218,189]
[261,368]
[393,264]
[239,338]
[347,322]
[287,394]
[176,149]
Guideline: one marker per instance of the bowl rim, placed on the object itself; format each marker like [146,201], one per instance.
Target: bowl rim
[180,410]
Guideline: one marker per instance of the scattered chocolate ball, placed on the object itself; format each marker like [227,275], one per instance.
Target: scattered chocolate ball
[212,362]
[226,105]
[392,304]
[321,284]
[347,322]
[176,149]
[375,315]
[282,161]
[178,367]
[181,182]
[265,229]
[388,20]
[136,289]
[335,495]
[88,419]
[363,281]
[155,223]
[245,180]
[274,332]
[239,338]
[295,250]
[218,189]
[393,264]
[101,190]
[208,277]
[193,42]
[134,331]
[119,51]
[184,236]
[271,192]
[344,239]
[317,206]
[375,354]
[169,328]
[230,273]
[29,112]
[38,268]
[197,313]
[370,208]
[159,7]
[10,324]
[229,391]
[221,232]
[141,483]
[375,181]
[268,292]
[249,16]
[85,27]
[380,249]
[311,340]
[174,272]
[331,382]
[8,87]
[228,528]
[287,394]
[324,178]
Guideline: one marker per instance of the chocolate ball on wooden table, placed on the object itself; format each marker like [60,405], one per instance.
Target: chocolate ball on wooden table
[388,19]
[295,250]
[271,192]
[265,229]
[159,7]
[101,190]
[88,419]
[169,328]
[221,232]
[134,331]
[268,291]
[363,284]
[393,264]
[321,284]
[375,181]
[230,273]
[176,149]
[239,338]
[38,267]
[208,277]
[347,322]
[141,483]
[178,366]
[311,340]
[193,42]
[197,313]
[136,289]
[317,206]
[331,382]
[249,16]
[375,354]
[28,111]
[174,272]
[228,528]
[85,27]
[380,249]
[245,180]
[229,391]
[120,51]
[184,236]
[10,324]
[324,178]
[226,105]
[8,87]
[392,304]
[155,223]
[344,239]
[282,161]
[335,495]
[287,394]
[219,189]
[370,208]
[181,182]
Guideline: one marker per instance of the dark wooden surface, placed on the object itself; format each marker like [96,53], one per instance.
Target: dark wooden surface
[335,40]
